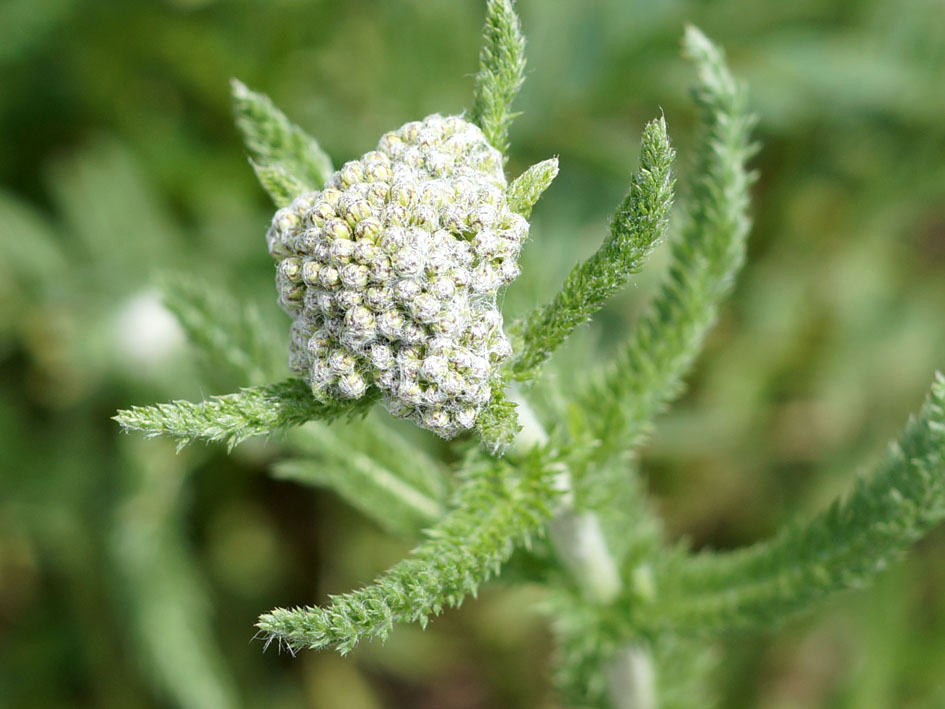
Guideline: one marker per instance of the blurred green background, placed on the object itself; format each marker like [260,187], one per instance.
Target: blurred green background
[131,576]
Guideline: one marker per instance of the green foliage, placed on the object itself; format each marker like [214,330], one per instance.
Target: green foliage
[622,399]
[232,418]
[373,469]
[280,184]
[527,188]
[497,507]
[228,333]
[497,423]
[501,73]
[843,548]
[620,403]
[28,246]
[23,23]
[168,619]
[636,228]
[625,605]
[284,156]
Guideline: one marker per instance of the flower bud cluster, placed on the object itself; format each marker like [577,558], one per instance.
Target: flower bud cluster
[390,274]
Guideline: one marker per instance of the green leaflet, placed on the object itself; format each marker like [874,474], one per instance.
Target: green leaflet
[527,188]
[497,424]
[289,157]
[637,226]
[843,548]
[232,418]
[501,72]
[281,185]
[621,399]
[497,508]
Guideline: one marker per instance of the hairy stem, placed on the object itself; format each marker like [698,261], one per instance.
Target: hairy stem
[631,679]
[578,540]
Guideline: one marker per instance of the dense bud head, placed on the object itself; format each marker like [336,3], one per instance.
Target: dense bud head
[391,271]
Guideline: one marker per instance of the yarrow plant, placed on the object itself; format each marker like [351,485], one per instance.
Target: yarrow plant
[390,269]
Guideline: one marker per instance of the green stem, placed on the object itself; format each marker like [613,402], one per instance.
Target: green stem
[579,542]
[631,679]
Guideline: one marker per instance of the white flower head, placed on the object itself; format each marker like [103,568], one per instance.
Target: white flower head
[391,273]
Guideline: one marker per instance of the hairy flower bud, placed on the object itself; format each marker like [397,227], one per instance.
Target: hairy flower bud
[391,272]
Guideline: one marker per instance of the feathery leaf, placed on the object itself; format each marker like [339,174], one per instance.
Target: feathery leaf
[497,424]
[843,548]
[273,141]
[281,185]
[501,72]
[637,226]
[527,188]
[622,400]
[497,508]
[232,418]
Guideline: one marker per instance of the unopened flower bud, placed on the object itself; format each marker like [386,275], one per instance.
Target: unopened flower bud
[351,173]
[341,251]
[348,298]
[337,229]
[354,275]
[341,362]
[368,229]
[331,195]
[328,277]
[391,273]
[352,385]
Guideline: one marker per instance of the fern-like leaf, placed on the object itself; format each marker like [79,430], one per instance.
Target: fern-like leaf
[527,188]
[501,72]
[637,226]
[622,400]
[232,418]
[496,509]
[497,424]
[843,548]
[281,185]
[274,141]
